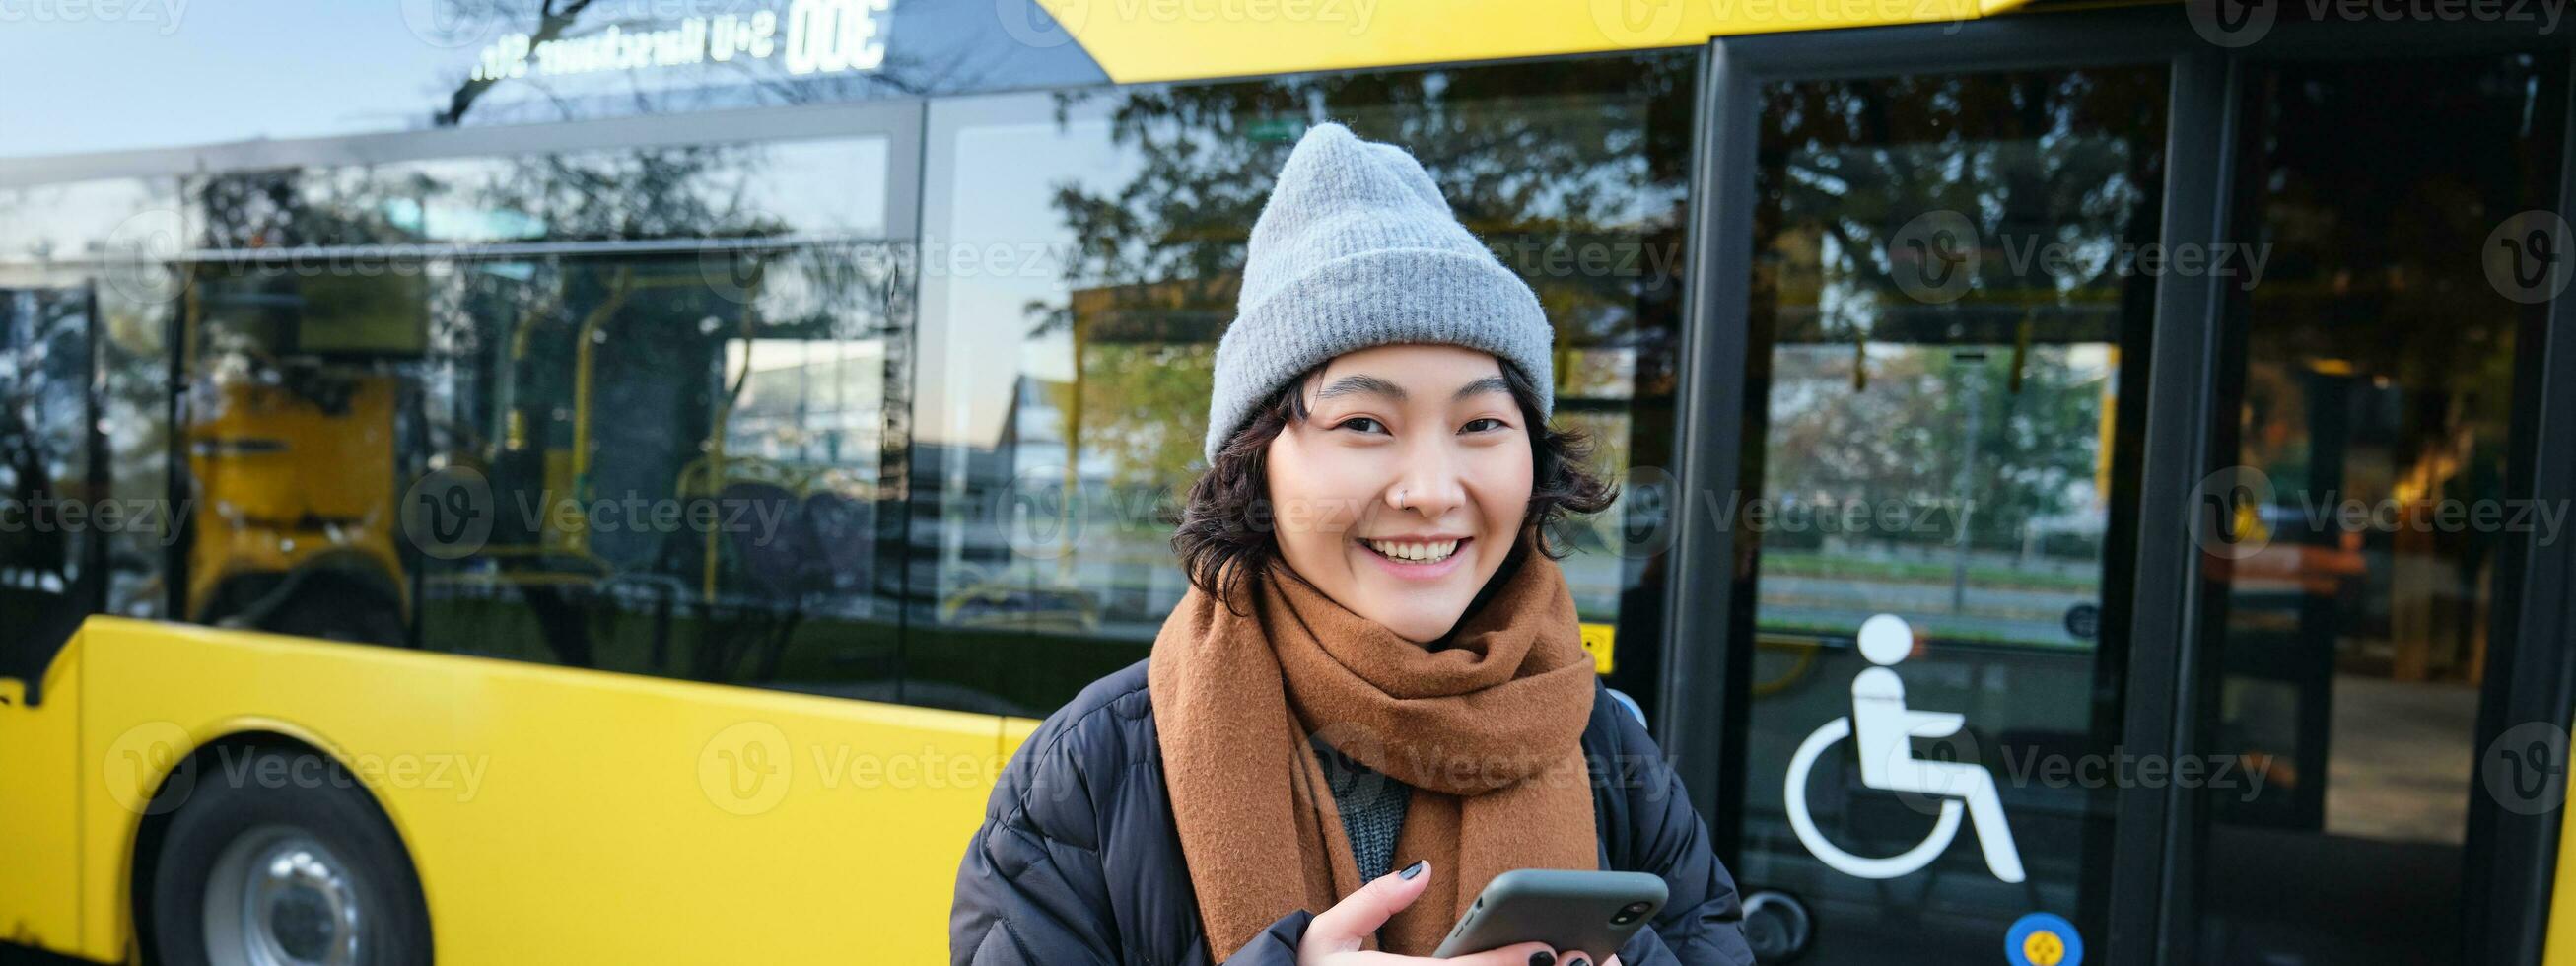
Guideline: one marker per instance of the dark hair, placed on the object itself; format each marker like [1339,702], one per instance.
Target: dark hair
[1223,532]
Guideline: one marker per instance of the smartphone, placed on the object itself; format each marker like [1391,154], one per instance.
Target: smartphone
[1572,911]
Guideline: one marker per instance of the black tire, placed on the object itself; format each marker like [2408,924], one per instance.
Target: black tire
[230,833]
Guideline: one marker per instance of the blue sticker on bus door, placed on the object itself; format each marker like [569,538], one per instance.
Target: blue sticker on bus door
[2043,939]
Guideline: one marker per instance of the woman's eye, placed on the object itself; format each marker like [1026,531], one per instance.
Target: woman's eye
[1497,424]
[1354,422]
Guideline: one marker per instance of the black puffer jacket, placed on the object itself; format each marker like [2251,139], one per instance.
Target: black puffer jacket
[1078,861]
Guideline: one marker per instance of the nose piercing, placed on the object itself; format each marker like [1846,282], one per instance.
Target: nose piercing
[1399,499]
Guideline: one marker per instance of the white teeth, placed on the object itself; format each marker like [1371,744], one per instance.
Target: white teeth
[1425,552]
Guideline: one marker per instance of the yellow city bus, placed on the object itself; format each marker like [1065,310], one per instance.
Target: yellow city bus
[629,510]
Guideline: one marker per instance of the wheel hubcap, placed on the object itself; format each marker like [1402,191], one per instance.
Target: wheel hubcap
[278,897]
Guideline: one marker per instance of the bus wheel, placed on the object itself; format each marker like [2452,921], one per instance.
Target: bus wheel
[292,864]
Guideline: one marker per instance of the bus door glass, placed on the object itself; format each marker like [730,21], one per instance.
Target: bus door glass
[1948,315]
[2375,417]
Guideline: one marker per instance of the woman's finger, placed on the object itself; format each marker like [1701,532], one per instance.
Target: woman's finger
[1362,912]
[1516,954]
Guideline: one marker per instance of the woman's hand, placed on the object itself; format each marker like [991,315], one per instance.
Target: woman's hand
[1333,939]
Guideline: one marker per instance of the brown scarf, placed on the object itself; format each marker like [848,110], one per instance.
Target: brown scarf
[1488,730]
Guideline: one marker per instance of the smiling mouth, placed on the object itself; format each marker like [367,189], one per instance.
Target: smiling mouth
[1417,555]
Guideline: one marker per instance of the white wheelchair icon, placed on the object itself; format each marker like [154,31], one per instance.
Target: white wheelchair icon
[1886,728]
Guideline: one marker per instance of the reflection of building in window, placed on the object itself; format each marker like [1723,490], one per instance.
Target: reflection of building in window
[818,404]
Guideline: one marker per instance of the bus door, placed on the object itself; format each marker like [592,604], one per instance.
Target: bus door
[2372,512]
[51,572]
[2096,562]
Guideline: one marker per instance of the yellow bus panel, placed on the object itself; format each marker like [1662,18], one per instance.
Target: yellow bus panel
[1162,40]
[39,765]
[553,814]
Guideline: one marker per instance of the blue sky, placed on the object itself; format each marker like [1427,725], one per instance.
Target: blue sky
[216,72]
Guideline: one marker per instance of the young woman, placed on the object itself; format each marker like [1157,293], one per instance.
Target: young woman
[1373,698]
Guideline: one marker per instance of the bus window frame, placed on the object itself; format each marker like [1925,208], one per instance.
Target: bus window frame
[900,122]
[2511,859]
[25,656]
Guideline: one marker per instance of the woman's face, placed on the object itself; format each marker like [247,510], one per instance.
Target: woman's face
[1404,490]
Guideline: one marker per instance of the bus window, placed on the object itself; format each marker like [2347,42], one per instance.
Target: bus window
[1079,267]
[2377,382]
[49,575]
[684,457]
[291,386]
[621,410]
[1945,327]
[106,244]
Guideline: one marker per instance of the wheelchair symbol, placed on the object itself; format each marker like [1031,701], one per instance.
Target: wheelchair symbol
[1886,728]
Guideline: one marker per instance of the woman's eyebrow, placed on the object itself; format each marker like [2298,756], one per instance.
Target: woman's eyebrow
[1353,385]
[1494,383]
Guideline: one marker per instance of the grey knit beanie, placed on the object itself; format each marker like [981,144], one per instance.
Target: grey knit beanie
[1356,248]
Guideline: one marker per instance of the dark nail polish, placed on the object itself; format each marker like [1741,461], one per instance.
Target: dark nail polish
[1415,869]
[1542,958]
[1578,961]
